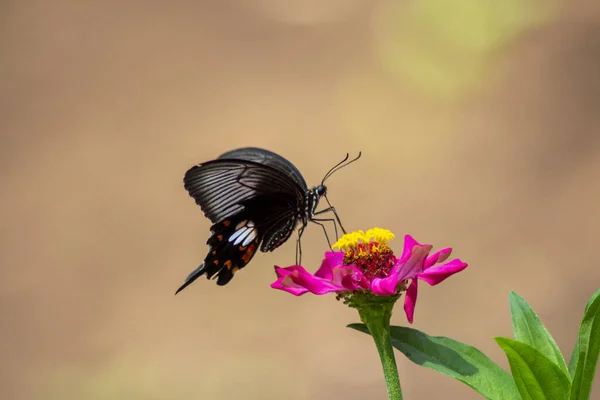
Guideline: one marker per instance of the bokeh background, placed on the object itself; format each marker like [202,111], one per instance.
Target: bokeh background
[480,129]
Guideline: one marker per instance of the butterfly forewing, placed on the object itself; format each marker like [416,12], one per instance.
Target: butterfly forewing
[266,157]
[220,186]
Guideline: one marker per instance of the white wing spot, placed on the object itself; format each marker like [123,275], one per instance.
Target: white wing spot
[237,233]
[250,238]
[244,233]
[243,223]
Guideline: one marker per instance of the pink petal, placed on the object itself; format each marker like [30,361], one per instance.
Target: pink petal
[285,282]
[413,264]
[332,259]
[439,273]
[410,300]
[350,278]
[406,267]
[409,243]
[385,286]
[438,257]
[296,278]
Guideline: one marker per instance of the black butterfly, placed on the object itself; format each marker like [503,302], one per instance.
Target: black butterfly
[254,198]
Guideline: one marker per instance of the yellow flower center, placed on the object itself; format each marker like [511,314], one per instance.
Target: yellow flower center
[368,251]
[361,243]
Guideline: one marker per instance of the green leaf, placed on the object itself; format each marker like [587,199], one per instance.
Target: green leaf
[536,376]
[575,354]
[574,360]
[528,329]
[585,354]
[455,359]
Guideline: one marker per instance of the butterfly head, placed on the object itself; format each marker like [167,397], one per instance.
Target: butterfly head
[320,190]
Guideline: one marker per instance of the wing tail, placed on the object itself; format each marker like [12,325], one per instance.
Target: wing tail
[197,273]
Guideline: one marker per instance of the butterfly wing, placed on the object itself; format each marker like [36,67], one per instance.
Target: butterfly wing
[275,217]
[220,187]
[234,240]
[284,217]
[266,157]
[232,245]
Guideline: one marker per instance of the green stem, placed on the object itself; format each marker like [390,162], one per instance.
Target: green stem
[377,318]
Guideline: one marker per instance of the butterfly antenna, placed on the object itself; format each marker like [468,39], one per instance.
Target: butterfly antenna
[340,165]
[334,167]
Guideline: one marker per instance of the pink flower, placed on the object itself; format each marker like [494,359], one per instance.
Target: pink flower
[366,264]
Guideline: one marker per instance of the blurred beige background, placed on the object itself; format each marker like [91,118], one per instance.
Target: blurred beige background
[480,129]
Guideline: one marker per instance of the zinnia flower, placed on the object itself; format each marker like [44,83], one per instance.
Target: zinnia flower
[365,268]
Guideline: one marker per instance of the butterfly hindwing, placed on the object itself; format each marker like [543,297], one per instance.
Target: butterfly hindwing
[231,246]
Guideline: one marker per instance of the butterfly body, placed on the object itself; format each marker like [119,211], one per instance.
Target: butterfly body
[255,199]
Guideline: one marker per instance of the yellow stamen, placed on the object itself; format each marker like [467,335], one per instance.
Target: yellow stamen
[360,244]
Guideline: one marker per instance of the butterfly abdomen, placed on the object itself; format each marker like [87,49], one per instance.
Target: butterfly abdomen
[231,246]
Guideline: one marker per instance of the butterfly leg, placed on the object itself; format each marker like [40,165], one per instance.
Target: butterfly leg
[332,209]
[337,236]
[320,222]
[299,246]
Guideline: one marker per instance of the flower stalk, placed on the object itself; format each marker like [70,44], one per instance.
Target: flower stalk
[376,313]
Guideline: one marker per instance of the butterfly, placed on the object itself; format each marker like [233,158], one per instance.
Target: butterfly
[255,199]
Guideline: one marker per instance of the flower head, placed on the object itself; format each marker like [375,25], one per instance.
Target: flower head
[365,267]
